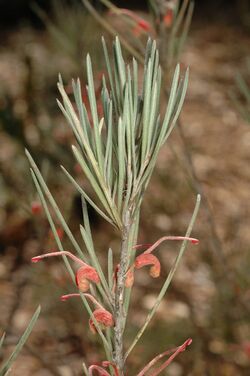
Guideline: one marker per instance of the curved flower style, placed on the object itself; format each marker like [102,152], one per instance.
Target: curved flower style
[146,258]
[174,353]
[84,274]
[101,371]
[151,246]
[101,315]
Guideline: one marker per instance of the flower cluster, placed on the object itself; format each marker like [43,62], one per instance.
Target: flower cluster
[85,275]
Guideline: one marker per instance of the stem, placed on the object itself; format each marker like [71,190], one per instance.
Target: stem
[106,25]
[119,294]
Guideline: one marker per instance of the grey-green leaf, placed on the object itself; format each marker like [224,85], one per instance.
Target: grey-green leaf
[6,366]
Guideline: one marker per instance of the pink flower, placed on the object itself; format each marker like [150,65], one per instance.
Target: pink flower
[150,247]
[174,353]
[140,261]
[148,259]
[84,274]
[101,315]
[129,281]
[101,371]
[106,363]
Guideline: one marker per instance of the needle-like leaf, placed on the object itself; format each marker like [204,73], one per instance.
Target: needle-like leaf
[7,365]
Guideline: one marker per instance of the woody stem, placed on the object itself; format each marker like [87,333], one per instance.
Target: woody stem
[119,295]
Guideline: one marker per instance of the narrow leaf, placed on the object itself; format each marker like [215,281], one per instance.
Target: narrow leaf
[20,344]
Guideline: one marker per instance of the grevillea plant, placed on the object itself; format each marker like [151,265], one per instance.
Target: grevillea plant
[116,148]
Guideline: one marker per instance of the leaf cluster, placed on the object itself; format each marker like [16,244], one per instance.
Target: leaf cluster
[118,150]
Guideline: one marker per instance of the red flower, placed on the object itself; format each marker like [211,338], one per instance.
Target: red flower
[143,24]
[168,18]
[36,207]
[106,363]
[103,317]
[140,23]
[84,274]
[174,352]
[140,261]
[101,371]
[150,247]
[129,281]
[148,259]
[59,232]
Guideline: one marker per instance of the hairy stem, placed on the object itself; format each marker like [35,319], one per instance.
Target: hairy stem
[119,294]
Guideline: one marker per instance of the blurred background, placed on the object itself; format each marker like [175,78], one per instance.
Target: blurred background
[208,153]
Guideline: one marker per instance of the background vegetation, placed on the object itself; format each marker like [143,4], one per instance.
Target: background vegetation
[209,298]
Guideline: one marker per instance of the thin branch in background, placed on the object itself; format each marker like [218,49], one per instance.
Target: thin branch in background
[111,30]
